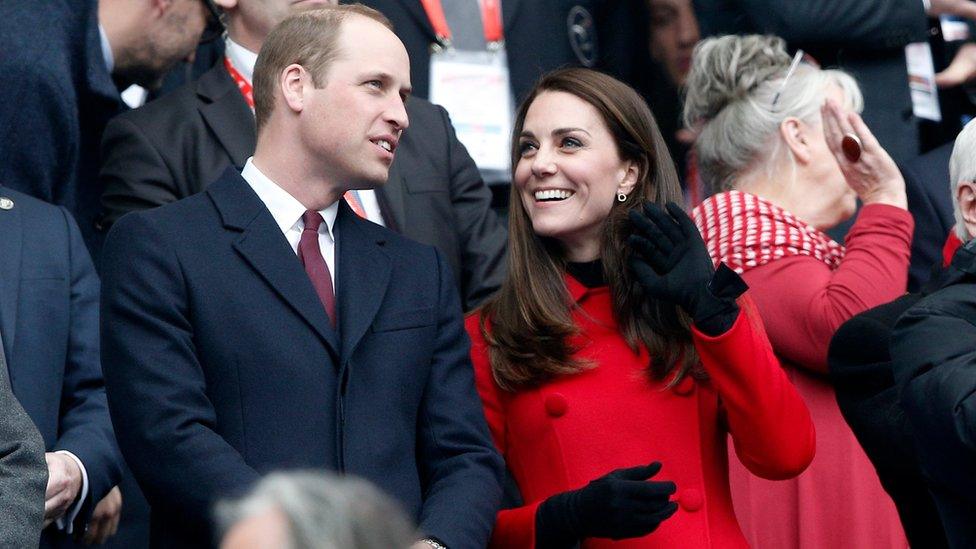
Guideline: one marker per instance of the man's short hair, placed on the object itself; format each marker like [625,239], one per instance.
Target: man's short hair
[962,167]
[308,38]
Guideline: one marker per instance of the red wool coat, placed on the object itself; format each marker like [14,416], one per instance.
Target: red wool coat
[563,434]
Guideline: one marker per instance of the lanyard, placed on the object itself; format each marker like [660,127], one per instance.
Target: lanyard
[491,20]
[351,196]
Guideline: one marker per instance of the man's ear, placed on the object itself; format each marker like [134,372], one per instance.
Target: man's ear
[293,82]
[629,181]
[966,196]
[797,137]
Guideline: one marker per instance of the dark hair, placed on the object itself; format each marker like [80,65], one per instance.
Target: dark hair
[530,317]
[308,38]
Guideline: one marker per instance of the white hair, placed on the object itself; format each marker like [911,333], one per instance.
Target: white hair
[962,167]
[731,90]
[324,512]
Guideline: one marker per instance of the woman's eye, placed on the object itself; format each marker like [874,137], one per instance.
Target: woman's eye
[526,147]
[571,142]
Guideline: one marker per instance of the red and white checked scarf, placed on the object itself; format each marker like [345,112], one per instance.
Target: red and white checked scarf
[745,231]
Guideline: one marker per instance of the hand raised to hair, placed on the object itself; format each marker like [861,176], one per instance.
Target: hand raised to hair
[621,504]
[669,260]
[873,176]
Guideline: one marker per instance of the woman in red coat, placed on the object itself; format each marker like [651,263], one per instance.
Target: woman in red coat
[615,361]
[771,135]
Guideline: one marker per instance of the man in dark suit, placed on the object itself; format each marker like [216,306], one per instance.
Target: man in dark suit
[57,91]
[930,202]
[175,146]
[540,36]
[49,323]
[246,359]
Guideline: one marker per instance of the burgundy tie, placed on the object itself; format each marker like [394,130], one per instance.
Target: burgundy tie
[311,257]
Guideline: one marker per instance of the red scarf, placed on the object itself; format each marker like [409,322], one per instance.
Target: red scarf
[745,231]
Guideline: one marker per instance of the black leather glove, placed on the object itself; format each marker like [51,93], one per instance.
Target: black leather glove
[621,504]
[671,263]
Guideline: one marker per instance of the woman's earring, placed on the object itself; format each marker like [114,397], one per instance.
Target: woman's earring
[621,197]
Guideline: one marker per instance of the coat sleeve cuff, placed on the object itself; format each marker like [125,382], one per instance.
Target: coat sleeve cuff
[515,528]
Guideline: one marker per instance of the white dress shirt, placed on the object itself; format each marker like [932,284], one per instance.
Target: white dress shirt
[288,211]
[243,60]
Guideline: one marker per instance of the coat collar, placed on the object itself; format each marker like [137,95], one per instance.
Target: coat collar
[262,245]
[10,251]
[226,113]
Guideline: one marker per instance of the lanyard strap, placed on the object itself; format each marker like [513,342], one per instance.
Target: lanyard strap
[242,84]
[491,20]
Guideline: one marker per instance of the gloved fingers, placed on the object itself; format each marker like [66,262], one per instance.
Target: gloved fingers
[648,253]
[664,222]
[655,489]
[644,272]
[650,231]
[641,472]
[688,228]
[665,512]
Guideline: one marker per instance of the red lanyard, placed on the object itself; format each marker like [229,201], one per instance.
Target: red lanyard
[242,84]
[491,19]
[352,197]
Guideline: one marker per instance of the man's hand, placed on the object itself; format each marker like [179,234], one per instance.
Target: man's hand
[105,518]
[63,484]
[961,8]
[961,70]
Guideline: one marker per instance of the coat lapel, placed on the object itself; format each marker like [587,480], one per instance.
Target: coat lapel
[266,250]
[10,258]
[225,111]
[363,273]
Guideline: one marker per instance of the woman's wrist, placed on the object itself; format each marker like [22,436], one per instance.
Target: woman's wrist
[891,197]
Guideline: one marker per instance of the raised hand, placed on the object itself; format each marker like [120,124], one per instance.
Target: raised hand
[670,260]
[621,504]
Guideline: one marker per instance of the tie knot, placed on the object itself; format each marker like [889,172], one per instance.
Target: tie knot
[312,220]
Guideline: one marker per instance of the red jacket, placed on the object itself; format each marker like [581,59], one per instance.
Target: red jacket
[576,428]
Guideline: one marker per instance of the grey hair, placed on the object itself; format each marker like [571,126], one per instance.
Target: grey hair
[324,512]
[730,91]
[962,167]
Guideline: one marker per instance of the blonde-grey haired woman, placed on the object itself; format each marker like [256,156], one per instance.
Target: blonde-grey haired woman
[782,140]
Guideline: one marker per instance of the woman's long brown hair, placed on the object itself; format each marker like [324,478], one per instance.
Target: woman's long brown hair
[530,317]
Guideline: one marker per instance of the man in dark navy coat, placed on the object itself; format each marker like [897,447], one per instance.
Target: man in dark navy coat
[49,329]
[60,62]
[263,325]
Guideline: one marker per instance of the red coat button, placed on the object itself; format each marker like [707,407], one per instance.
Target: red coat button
[690,499]
[556,405]
[685,387]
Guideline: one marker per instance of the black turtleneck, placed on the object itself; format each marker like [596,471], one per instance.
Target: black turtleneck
[589,274]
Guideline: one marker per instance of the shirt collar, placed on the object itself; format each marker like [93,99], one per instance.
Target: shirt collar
[285,208]
[107,55]
[242,58]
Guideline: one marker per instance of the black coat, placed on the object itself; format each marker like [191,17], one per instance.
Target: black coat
[860,370]
[933,348]
[930,201]
[175,146]
[540,35]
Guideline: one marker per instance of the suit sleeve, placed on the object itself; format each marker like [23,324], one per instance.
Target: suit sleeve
[769,423]
[482,237]
[514,527]
[164,421]
[134,175]
[460,469]
[875,25]
[803,302]
[23,471]
[84,426]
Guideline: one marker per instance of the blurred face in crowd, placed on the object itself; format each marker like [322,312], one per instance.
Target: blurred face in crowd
[352,124]
[171,37]
[250,21]
[259,531]
[674,33]
[825,192]
[569,172]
